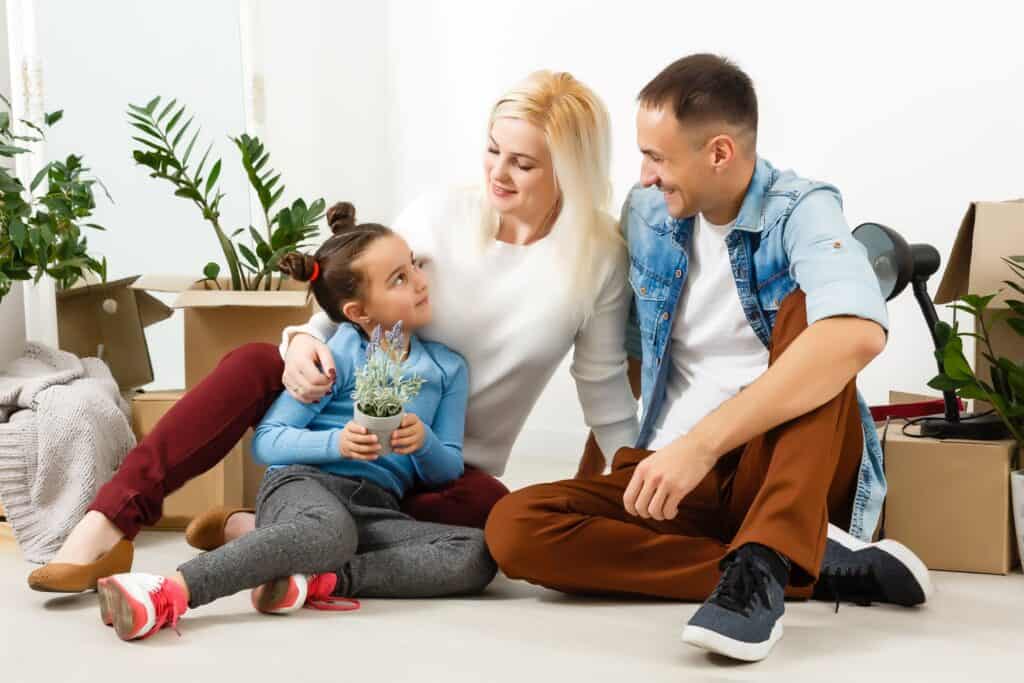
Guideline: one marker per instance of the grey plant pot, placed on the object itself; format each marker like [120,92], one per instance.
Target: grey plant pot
[382,427]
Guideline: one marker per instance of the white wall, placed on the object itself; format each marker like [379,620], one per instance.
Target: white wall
[912,112]
[97,58]
[12,311]
[322,74]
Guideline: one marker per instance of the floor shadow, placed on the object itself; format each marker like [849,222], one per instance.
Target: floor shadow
[72,602]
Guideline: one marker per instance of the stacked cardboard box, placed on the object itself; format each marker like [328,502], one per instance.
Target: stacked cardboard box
[216,322]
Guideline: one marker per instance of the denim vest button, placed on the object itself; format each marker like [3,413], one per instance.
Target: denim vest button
[664,316]
[679,274]
[643,291]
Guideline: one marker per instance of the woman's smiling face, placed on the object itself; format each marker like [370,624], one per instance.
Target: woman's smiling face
[518,169]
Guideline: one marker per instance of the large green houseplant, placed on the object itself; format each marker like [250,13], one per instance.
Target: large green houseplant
[167,149]
[42,226]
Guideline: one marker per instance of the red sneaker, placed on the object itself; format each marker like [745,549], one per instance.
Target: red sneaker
[290,593]
[139,605]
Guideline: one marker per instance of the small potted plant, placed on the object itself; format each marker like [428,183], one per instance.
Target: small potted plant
[382,389]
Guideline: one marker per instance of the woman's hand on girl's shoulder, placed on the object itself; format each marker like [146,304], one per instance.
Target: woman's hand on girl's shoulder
[303,378]
[357,443]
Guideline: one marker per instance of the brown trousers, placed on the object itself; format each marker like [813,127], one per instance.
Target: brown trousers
[780,490]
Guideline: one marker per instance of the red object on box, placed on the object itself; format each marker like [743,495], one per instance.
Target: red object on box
[910,410]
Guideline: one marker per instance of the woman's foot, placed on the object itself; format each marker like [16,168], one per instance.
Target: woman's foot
[91,538]
[218,526]
[138,605]
[298,590]
[94,549]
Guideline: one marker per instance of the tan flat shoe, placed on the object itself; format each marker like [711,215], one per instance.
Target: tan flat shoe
[64,577]
[206,532]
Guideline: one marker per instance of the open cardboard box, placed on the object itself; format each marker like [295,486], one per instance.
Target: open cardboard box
[107,321]
[218,321]
[989,232]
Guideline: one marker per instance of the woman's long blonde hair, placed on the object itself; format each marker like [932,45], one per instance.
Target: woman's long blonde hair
[576,128]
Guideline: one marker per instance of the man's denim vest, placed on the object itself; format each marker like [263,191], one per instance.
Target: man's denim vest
[761,254]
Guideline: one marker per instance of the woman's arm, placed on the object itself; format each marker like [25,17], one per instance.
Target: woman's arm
[319,326]
[599,366]
[439,461]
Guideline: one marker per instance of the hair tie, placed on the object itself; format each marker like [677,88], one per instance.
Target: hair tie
[316,271]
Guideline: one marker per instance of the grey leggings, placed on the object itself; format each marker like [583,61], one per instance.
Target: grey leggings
[309,521]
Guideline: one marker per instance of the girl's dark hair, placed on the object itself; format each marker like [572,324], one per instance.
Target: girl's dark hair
[337,280]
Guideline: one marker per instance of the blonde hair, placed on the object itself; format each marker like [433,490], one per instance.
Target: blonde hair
[576,129]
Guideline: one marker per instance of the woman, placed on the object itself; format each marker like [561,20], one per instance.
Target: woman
[530,265]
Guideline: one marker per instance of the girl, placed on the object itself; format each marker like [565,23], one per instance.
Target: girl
[327,514]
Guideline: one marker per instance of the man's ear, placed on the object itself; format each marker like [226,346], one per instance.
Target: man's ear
[355,312]
[723,151]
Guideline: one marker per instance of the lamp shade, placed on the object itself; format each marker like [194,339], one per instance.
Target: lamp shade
[889,255]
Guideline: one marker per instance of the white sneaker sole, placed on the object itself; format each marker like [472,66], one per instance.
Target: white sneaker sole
[713,641]
[900,552]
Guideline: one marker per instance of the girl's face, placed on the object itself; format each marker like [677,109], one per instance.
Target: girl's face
[394,287]
[518,170]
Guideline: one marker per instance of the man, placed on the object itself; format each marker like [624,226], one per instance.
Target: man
[755,311]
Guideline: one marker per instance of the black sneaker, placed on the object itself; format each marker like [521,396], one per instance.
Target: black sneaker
[742,618]
[865,573]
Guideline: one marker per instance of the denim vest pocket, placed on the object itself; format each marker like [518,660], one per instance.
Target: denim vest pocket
[650,292]
[772,291]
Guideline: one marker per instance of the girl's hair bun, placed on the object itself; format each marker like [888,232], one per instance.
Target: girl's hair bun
[341,217]
[297,265]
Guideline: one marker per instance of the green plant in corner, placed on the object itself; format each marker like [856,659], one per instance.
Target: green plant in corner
[167,154]
[42,233]
[1003,389]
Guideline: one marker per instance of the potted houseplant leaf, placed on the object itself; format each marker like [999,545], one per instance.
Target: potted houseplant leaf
[167,142]
[42,226]
[1003,389]
[382,389]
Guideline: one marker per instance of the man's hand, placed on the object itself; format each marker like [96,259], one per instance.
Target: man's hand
[410,436]
[302,378]
[357,443]
[665,477]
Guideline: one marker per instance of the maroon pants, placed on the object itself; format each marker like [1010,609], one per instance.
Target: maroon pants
[200,429]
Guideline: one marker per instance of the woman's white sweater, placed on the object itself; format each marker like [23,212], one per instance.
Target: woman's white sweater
[509,311]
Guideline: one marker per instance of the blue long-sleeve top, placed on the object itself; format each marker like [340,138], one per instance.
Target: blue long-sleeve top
[294,433]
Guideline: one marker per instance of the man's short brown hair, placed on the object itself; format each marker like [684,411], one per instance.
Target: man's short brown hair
[704,88]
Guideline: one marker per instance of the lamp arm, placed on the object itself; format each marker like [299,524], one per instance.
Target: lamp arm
[920,287]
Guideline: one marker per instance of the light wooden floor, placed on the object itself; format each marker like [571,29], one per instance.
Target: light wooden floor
[515,632]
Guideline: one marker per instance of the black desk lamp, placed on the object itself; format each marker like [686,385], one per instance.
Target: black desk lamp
[896,265]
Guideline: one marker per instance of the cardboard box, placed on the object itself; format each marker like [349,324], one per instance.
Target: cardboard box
[107,321]
[219,320]
[949,500]
[989,232]
[222,485]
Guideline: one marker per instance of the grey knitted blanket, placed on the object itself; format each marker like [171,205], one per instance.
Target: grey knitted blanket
[64,430]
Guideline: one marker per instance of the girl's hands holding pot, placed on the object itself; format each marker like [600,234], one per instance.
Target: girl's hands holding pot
[358,443]
[410,436]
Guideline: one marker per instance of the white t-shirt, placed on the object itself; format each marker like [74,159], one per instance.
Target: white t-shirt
[508,310]
[714,350]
